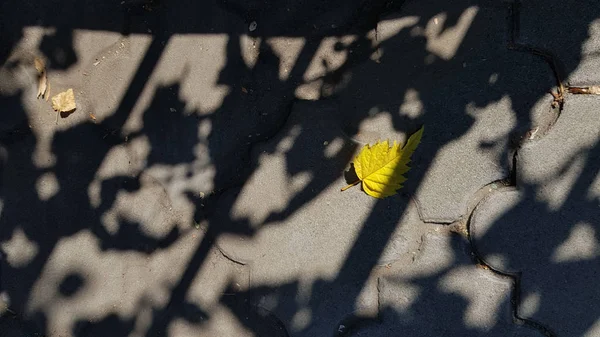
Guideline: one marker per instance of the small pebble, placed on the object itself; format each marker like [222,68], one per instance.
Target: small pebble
[253,26]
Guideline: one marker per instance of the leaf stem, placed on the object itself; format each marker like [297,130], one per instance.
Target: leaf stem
[347,187]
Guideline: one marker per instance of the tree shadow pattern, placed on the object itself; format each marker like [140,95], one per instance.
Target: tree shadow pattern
[262,101]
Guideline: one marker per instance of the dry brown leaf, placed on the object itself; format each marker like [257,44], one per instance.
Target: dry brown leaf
[47,93]
[40,66]
[64,102]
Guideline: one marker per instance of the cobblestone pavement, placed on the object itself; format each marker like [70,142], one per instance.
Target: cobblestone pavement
[195,190]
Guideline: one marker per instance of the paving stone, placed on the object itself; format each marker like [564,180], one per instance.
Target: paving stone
[81,293]
[547,228]
[311,133]
[441,292]
[570,30]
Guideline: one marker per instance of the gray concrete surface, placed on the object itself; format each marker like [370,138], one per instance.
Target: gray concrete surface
[195,191]
[555,27]
[547,227]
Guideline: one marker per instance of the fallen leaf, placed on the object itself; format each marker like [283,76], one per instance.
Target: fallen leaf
[40,66]
[64,102]
[47,93]
[380,167]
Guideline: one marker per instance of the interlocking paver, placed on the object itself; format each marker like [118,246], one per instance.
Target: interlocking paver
[421,297]
[298,242]
[80,293]
[546,229]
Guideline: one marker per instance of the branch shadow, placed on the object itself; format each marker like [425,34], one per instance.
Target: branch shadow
[260,107]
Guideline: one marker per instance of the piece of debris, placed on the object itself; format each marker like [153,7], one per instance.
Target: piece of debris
[591,90]
[43,89]
[64,102]
[252,26]
[244,90]
[483,266]
[96,63]
[533,133]
[557,99]
[92,116]
[47,93]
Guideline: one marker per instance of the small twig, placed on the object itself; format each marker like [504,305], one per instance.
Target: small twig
[347,187]
[591,90]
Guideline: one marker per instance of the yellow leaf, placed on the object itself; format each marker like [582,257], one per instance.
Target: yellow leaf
[380,167]
[64,102]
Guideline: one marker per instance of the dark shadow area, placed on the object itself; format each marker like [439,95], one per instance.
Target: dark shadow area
[111,324]
[259,107]
[536,237]
[71,284]
[59,48]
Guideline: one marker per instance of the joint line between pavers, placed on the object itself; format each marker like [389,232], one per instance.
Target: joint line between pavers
[551,59]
